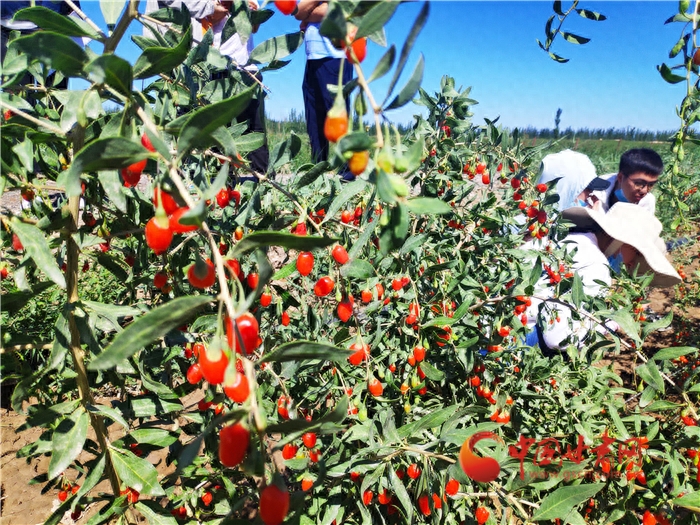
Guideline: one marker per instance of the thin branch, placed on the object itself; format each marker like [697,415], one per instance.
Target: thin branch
[375,107]
[38,122]
[132,11]
[82,15]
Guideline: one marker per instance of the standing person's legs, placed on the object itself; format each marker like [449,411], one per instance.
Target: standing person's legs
[314,111]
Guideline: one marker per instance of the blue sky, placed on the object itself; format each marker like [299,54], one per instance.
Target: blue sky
[610,82]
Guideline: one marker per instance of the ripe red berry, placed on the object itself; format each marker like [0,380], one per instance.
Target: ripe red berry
[146,142]
[309,440]
[286,7]
[413,471]
[233,444]
[207,498]
[452,487]
[541,188]
[305,263]
[340,254]
[375,387]
[324,286]
[239,390]
[202,274]
[62,495]
[194,374]
[274,504]
[158,235]
[289,451]
[482,515]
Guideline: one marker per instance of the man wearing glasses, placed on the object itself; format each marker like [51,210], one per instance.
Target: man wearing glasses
[638,173]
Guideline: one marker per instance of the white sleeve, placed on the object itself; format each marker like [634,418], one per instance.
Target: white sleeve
[649,203]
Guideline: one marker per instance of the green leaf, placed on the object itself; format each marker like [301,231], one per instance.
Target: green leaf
[682,41]
[135,472]
[107,262]
[557,8]
[50,20]
[384,64]
[284,152]
[357,269]
[650,373]
[199,127]
[418,25]
[112,312]
[394,234]
[411,88]
[334,25]
[148,328]
[93,478]
[261,239]
[113,187]
[668,75]
[562,501]
[155,60]
[284,272]
[314,173]
[577,293]
[402,494]
[111,9]
[57,51]
[111,413]
[155,514]
[673,353]
[147,406]
[355,141]
[101,154]
[158,437]
[431,420]
[591,15]
[302,350]
[658,406]
[375,19]
[67,442]
[431,372]
[688,501]
[574,39]
[112,71]
[428,205]
[627,324]
[276,48]
[37,247]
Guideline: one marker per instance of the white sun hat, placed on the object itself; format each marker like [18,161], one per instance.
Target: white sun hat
[575,172]
[631,224]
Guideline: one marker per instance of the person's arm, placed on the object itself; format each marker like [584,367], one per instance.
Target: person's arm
[200,9]
[305,8]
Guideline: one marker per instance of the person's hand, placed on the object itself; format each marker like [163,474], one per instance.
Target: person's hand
[252,5]
[219,13]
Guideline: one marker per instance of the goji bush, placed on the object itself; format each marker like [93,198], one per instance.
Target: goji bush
[308,350]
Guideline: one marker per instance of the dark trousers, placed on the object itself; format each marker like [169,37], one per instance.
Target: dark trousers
[254,114]
[318,99]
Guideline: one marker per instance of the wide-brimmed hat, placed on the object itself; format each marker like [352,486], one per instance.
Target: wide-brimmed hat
[631,224]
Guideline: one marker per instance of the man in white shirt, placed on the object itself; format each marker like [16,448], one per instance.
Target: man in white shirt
[638,173]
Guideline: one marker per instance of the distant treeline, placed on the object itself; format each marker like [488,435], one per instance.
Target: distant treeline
[296,122]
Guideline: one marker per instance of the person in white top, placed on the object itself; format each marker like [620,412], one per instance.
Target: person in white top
[213,14]
[639,171]
[626,229]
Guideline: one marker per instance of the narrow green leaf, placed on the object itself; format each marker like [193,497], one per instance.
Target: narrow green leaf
[650,373]
[148,328]
[111,413]
[155,514]
[627,324]
[682,41]
[429,206]
[376,18]
[557,58]
[557,8]
[357,269]
[67,442]
[112,71]
[147,406]
[591,15]
[57,51]
[411,88]
[197,130]
[384,64]
[50,20]
[37,247]
[668,75]
[135,472]
[660,405]
[574,39]
[310,176]
[302,350]
[284,152]
[673,352]
[111,9]
[276,48]
[432,420]
[418,25]
[93,478]
[262,239]
[562,501]
[158,437]
[402,494]
[334,25]
[688,501]
[431,372]
[577,293]
[284,272]
[155,60]
[107,262]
